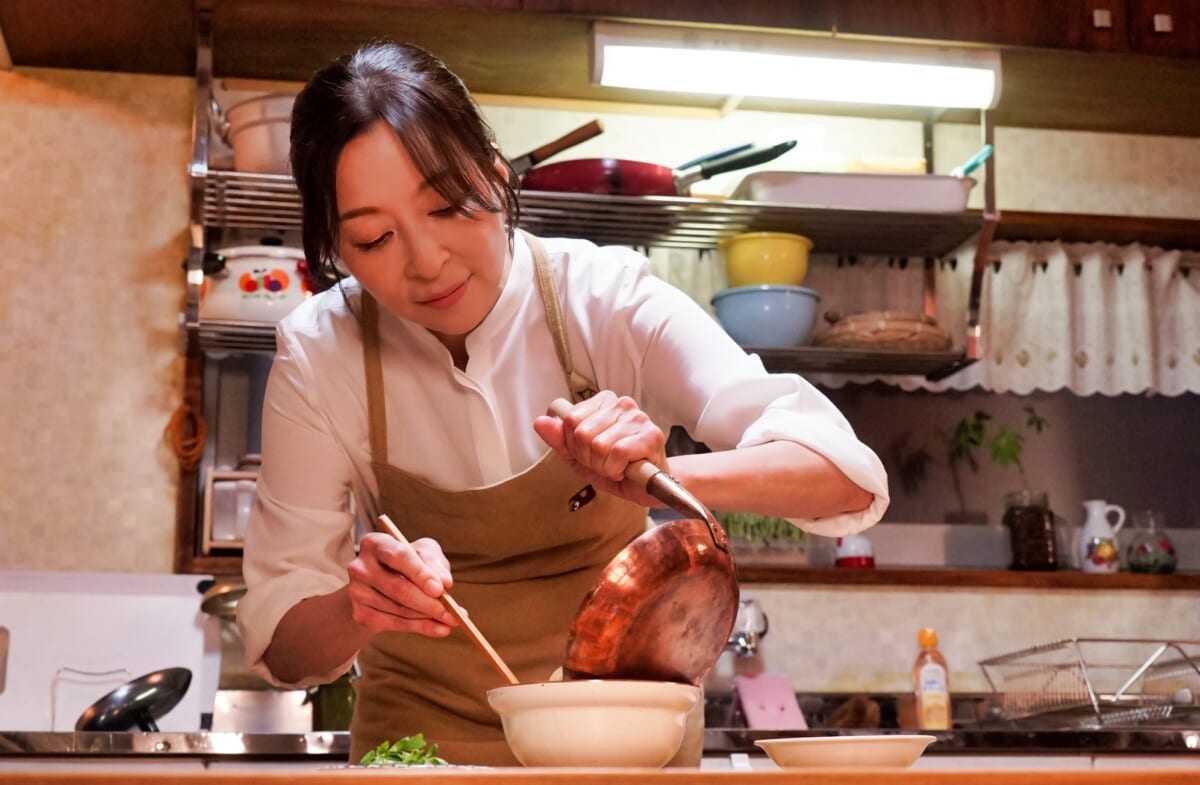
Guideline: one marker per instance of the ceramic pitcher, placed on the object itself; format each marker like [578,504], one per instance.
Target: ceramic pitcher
[1098,539]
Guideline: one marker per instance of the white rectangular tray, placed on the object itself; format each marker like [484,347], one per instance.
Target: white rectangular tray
[864,191]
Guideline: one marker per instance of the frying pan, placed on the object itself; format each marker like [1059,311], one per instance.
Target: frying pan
[622,177]
[138,703]
[664,607]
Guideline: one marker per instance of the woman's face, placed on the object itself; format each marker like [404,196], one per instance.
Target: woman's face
[422,262]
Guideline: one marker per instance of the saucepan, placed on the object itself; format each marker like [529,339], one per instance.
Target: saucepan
[257,129]
[664,607]
[644,637]
[261,283]
[621,177]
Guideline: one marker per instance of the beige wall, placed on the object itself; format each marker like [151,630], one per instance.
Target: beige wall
[93,213]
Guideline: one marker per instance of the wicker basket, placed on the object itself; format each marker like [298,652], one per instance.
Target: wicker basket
[895,330]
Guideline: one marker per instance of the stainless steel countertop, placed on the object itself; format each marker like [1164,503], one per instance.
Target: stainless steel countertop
[335,745]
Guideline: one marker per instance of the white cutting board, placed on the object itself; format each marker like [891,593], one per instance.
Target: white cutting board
[74,637]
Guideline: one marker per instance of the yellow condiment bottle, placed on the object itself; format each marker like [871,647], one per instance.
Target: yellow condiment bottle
[931,681]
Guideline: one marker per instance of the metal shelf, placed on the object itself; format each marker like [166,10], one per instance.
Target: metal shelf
[216,336]
[931,365]
[242,200]
[219,335]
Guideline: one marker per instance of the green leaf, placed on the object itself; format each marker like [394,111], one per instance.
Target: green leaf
[1034,420]
[408,751]
[1006,446]
[761,528]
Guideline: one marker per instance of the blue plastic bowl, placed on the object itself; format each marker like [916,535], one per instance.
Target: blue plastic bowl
[768,315]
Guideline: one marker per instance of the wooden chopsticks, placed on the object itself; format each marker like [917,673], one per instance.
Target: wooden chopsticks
[456,610]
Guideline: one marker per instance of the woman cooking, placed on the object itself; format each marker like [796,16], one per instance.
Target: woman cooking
[417,388]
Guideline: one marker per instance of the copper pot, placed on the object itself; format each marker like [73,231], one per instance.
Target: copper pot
[664,607]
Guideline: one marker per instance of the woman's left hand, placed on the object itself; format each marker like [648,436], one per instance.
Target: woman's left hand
[600,437]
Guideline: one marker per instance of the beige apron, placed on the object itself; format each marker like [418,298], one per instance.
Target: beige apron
[522,563]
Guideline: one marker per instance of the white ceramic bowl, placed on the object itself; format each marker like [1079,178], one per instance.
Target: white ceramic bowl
[837,752]
[594,722]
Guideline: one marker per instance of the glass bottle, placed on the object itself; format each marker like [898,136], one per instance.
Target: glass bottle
[1031,531]
[1150,550]
[931,683]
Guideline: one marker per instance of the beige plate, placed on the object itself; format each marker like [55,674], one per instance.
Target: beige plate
[838,752]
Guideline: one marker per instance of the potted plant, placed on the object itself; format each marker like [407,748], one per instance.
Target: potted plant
[1027,512]
[763,538]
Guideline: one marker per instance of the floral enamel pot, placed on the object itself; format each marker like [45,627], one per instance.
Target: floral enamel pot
[254,283]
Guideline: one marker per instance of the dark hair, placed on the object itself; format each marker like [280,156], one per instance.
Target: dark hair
[431,112]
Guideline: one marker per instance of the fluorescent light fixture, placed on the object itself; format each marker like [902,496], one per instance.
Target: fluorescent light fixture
[723,62]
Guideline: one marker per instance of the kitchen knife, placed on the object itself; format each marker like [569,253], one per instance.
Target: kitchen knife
[524,163]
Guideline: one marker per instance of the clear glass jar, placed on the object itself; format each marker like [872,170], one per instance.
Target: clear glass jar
[1150,550]
[1031,531]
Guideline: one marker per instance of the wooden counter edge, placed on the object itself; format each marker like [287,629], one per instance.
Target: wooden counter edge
[141,774]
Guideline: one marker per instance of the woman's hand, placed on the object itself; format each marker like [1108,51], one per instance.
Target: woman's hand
[394,586]
[600,437]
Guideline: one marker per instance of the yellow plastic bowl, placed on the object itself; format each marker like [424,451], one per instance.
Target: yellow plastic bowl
[766,257]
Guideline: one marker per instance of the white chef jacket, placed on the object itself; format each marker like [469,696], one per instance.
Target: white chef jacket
[629,332]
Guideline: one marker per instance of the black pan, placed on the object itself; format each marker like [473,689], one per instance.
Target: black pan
[138,703]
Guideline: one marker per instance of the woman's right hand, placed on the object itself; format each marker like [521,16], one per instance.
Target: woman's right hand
[394,586]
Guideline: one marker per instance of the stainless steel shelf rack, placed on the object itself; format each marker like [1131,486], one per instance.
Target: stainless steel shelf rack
[702,223]
[261,201]
[242,200]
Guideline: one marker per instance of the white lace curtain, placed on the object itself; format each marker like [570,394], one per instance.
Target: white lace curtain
[1092,318]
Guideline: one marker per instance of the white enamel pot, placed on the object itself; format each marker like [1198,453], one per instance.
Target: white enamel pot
[254,283]
[258,130]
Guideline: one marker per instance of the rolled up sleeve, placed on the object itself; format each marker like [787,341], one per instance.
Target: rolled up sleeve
[300,548]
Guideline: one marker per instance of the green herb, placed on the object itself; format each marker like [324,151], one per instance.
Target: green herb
[1004,443]
[409,751]
[751,526]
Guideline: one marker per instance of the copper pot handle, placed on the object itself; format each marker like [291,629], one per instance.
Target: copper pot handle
[661,486]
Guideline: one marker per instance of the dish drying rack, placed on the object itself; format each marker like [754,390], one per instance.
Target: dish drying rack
[1093,683]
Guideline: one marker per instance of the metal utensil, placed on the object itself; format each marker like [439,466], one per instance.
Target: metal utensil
[456,610]
[524,163]
[138,703]
[664,607]
[222,598]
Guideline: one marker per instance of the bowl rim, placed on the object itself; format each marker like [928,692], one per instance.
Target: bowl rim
[908,743]
[659,689]
[766,287]
[869,738]
[726,241]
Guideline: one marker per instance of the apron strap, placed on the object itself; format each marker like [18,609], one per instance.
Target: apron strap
[580,386]
[376,411]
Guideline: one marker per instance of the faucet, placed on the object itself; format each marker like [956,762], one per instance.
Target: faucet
[749,628]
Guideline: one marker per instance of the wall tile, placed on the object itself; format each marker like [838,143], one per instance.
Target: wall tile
[92,232]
